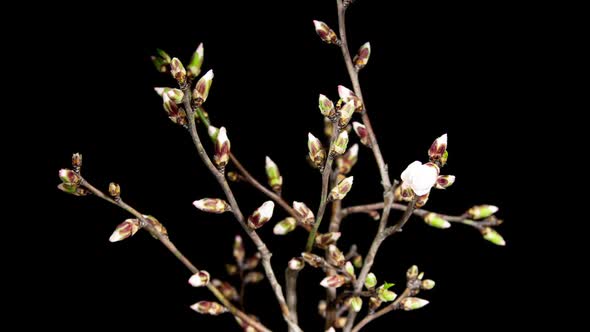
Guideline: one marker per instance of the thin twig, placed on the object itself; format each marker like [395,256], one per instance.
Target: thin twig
[393,306]
[219,176]
[325,186]
[370,259]
[331,314]
[291,285]
[172,248]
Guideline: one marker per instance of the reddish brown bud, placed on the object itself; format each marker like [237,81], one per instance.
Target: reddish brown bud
[326,34]
[334,281]
[208,308]
[124,230]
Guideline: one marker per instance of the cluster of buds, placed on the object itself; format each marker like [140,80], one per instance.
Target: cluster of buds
[326,34]
[261,215]
[212,205]
[317,154]
[275,180]
[348,160]
[362,56]
[418,179]
[304,212]
[340,190]
[208,308]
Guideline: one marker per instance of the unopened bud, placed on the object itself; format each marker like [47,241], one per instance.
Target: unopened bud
[262,215]
[324,240]
[208,308]
[125,229]
[412,272]
[427,284]
[349,268]
[326,34]
[327,107]
[222,149]
[348,160]
[386,295]
[69,177]
[253,277]
[226,289]
[77,160]
[482,211]
[72,189]
[252,262]
[275,180]
[157,225]
[357,261]
[322,305]
[335,256]
[436,220]
[176,95]
[317,154]
[346,113]
[420,275]
[233,176]
[491,235]
[444,181]
[161,60]
[444,158]
[312,259]
[212,205]
[345,93]
[413,303]
[362,57]
[370,281]
[114,189]
[334,281]
[238,249]
[296,264]
[231,269]
[177,70]
[175,113]
[341,143]
[307,216]
[194,66]
[438,148]
[199,279]
[361,132]
[340,322]
[356,303]
[285,226]
[201,91]
[340,191]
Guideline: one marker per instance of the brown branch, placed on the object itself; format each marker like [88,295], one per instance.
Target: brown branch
[219,176]
[147,224]
[291,285]
[393,306]
[370,259]
[325,186]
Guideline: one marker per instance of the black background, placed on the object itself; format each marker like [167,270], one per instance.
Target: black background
[433,69]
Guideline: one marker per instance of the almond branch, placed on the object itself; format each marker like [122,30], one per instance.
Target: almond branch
[219,176]
[147,224]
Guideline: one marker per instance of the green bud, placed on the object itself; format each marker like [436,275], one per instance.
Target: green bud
[285,226]
[413,303]
[356,303]
[386,295]
[491,235]
[341,143]
[275,180]
[194,66]
[370,281]
[327,107]
[427,284]
[482,211]
[436,221]
[357,261]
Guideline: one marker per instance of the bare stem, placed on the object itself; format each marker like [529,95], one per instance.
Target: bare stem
[172,248]
[331,314]
[393,306]
[325,186]
[219,176]
[291,285]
